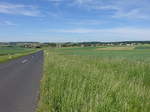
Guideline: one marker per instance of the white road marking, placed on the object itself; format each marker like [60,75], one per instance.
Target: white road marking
[24,61]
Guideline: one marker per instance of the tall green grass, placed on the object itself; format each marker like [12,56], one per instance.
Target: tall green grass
[94,84]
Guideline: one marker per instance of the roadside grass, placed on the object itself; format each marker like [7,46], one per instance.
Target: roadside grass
[87,83]
[7,54]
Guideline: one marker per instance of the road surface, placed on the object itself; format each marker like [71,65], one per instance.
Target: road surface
[19,83]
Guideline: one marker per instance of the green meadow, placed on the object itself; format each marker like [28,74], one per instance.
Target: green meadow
[139,52]
[13,50]
[94,79]
[9,53]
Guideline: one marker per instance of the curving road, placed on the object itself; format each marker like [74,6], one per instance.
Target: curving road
[19,83]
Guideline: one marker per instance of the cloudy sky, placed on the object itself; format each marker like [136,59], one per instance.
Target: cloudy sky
[74,20]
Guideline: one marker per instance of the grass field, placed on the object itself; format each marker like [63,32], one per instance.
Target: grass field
[93,80]
[9,53]
[13,50]
[133,53]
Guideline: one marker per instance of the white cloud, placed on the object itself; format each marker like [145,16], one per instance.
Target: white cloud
[83,1]
[55,0]
[8,23]
[87,22]
[126,33]
[19,9]
[73,31]
[138,9]
[135,14]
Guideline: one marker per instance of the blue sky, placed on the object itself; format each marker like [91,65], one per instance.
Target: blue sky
[74,20]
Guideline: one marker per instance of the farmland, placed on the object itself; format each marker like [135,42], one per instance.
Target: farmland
[8,53]
[96,79]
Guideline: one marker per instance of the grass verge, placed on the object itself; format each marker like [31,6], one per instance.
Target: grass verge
[5,58]
[91,84]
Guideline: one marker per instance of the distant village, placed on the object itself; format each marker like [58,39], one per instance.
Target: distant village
[72,44]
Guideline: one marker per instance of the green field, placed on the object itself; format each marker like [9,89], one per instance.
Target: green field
[13,50]
[93,80]
[139,52]
[9,53]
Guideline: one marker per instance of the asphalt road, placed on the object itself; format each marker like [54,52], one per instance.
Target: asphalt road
[19,83]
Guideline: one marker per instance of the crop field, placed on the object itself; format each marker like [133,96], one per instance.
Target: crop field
[8,53]
[12,50]
[96,79]
[139,52]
